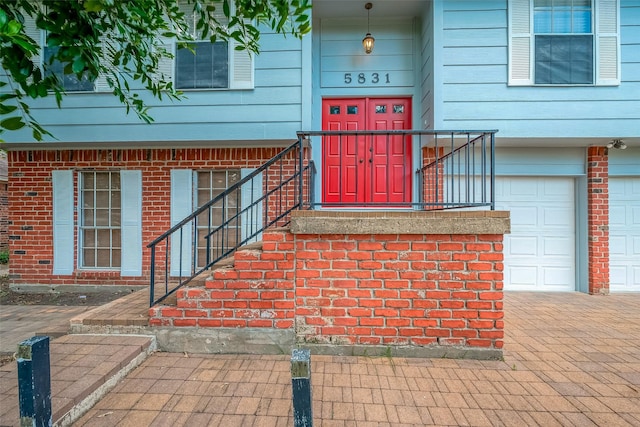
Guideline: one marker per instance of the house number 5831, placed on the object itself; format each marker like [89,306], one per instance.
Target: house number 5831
[362,78]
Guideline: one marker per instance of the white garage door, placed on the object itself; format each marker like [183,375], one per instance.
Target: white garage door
[539,254]
[624,234]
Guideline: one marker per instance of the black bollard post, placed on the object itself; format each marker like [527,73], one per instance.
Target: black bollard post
[34,382]
[301,382]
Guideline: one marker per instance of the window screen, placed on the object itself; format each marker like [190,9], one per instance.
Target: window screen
[563,41]
[100,219]
[69,82]
[206,67]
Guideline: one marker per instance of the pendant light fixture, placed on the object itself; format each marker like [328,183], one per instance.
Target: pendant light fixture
[368,40]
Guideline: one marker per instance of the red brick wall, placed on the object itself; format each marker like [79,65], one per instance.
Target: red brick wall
[4,216]
[400,289]
[598,219]
[433,177]
[358,290]
[30,192]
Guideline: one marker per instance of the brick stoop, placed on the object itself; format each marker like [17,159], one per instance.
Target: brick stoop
[355,292]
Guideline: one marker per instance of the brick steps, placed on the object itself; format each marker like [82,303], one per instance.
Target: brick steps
[243,290]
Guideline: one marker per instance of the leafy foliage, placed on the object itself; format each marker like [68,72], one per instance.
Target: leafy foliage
[123,41]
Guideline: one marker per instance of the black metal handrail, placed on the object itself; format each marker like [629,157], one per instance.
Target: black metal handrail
[275,189]
[457,168]
[459,174]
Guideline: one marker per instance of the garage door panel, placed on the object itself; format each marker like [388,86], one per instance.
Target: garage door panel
[524,216]
[556,217]
[557,189]
[617,246]
[624,234]
[521,245]
[521,276]
[559,247]
[617,215]
[540,251]
[559,277]
[520,190]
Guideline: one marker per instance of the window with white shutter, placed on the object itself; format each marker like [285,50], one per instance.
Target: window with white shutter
[564,42]
[69,82]
[207,65]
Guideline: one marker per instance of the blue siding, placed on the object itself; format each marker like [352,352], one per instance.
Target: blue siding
[473,68]
[427,100]
[270,111]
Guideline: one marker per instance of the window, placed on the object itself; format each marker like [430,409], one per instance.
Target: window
[206,67]
[209,185]
[70,82]
[563,41]
[99,216]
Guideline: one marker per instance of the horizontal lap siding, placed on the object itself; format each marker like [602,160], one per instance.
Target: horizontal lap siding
[272,110]
[30,197]
[473,68]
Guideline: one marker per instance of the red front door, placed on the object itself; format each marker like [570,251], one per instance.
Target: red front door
[366,169]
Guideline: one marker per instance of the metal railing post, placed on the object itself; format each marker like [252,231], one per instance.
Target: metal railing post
[34,382]
[153,275]
[301,388]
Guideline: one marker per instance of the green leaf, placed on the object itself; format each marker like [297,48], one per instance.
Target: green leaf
[3,18]
[93,5]
[78,65]
[13,28]
[29,47]
[6,109]
[12,123]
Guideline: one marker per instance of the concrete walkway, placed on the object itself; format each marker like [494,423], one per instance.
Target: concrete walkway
[21,322]
[570,359]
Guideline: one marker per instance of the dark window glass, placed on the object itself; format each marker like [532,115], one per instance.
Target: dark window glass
[70,82]
[206,67]
[563,41]
[352,109]
[564,59]
[100,219]
[334,109]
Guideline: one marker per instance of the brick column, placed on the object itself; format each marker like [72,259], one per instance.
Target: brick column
[598,219]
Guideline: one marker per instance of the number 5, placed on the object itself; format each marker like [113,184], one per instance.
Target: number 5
[347,78]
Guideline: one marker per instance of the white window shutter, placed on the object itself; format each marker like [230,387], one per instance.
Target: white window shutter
[101,85]
[181,207]
[520,43]
[240,67]
[607,42]
[165,71]
[35,33]
[251,219]
[63,228]
[131,211]
[189,17]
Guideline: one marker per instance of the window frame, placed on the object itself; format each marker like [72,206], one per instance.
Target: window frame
[83,228]
[606,44]
[538,36]
[214,191]
[62,77]
[228,67]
